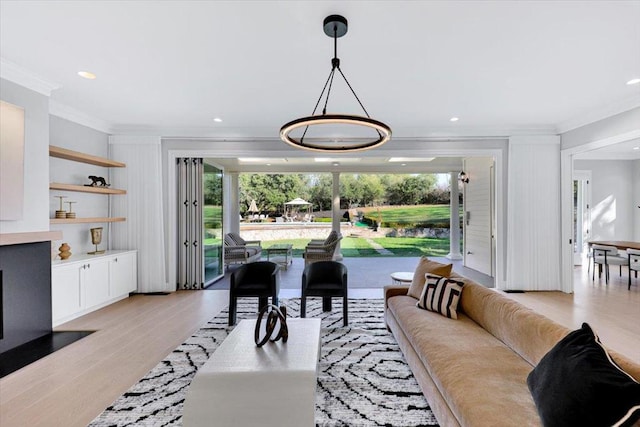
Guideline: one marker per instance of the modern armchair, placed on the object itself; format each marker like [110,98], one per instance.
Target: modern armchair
[325,279]
[258,279]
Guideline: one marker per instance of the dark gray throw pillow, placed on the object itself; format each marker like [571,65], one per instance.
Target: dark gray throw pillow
[578,384]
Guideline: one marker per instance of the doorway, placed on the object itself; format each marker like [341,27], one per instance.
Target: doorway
[581,215]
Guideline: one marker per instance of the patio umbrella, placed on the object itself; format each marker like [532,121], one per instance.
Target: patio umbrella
[253,207]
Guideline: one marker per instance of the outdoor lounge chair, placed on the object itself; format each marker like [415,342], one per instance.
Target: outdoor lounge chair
[323,242]
[313,253]
[240,251]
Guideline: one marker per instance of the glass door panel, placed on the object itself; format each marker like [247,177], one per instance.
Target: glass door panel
[212,217]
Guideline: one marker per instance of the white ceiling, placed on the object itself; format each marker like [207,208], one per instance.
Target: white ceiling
[170,67]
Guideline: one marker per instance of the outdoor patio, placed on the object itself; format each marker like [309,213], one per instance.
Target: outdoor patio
[367,276]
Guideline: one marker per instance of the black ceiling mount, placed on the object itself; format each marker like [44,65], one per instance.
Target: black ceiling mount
[335,26]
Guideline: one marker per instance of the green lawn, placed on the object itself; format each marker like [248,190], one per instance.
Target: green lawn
[421,214]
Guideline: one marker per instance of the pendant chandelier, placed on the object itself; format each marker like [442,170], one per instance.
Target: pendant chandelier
[335,26]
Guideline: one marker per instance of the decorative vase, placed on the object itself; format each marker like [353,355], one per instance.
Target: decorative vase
[64,251]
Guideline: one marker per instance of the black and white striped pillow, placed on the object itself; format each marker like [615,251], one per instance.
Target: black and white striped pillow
[441,295]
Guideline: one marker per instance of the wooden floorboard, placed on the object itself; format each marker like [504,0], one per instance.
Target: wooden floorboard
[75,384]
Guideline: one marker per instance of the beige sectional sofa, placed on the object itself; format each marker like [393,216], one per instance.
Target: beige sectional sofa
[473,370]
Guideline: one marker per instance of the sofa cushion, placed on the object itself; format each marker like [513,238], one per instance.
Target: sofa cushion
[440,295]
[528,333]
[481,379]
[426,266]
[577,383]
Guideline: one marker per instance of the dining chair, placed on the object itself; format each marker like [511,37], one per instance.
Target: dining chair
[634,263]
[604,255]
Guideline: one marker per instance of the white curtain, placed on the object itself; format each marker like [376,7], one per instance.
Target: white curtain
[142,206]
[533,223]
[190,228]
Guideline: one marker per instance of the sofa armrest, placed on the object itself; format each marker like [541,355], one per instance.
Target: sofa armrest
[394,290]
[253,242]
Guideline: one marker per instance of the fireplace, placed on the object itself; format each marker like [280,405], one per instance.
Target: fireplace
[26,293]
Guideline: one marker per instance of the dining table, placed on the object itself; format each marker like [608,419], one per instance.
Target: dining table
[620,244]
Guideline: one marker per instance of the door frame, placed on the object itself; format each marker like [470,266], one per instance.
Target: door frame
[566,193]
[580,176]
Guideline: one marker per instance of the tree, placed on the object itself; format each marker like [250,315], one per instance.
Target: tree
[271,191]
[321,191]
[372,190]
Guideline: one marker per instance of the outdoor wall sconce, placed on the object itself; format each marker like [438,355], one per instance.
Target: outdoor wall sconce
[463,177]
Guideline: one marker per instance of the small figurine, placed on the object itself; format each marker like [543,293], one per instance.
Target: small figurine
[65,251]
[97,181]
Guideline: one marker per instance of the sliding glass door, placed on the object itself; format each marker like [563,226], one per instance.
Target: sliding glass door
[212,223]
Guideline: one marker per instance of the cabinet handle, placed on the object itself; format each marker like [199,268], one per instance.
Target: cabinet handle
[115,260]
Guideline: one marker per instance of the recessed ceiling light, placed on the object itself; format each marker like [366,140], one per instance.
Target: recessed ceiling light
[410,159]
[633,82]
[217,119]
[87,75]
[636,148]
[403,164]
[336,164]
[260,160]
[454,119]
[268,164]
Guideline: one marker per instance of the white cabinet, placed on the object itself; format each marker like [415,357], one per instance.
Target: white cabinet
[94,282]
[123,274]
[88,282]
[65,291]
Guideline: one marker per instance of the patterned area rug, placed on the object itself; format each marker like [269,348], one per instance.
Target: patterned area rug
[363,379]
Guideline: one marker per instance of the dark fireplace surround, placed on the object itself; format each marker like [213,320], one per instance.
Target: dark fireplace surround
[25,298]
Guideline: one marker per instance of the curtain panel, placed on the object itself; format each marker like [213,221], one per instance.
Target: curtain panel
[142,206]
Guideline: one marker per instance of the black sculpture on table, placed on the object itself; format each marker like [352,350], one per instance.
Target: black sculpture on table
[275,315]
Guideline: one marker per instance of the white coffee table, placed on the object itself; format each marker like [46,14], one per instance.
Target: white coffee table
[243,385]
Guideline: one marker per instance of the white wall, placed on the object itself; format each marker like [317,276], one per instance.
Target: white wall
[636,200]
[67,134]
[36,158]
[613,126]
[612,201]
[533,224]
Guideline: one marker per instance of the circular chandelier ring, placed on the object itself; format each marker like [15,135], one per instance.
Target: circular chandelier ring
[383,130]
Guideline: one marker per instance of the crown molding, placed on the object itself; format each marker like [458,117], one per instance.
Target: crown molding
[601,113]
[63,111]
[23,77]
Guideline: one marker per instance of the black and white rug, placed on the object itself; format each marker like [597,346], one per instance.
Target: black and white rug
[363,379]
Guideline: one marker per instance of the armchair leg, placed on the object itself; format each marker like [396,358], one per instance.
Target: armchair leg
[345,311]
[262,302]
[303,307]
[326,303]
[232,310]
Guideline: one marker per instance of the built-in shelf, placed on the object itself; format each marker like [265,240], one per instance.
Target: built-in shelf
[85,220]
[76,156]
[85,189]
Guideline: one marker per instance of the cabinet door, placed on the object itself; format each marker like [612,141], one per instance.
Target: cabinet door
[123,274]
[95,282]
[65,291]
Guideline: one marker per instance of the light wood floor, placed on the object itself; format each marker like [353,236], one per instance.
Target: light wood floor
[74,385]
